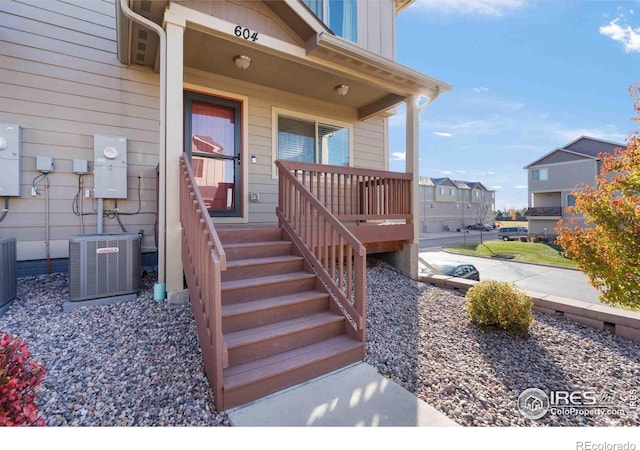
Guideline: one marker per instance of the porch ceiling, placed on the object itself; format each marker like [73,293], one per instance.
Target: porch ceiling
[213,54]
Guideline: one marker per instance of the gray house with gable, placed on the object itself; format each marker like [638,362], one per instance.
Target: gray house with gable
[553,177]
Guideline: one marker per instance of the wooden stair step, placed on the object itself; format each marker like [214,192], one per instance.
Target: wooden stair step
[258,249]
[255,267]
[248,234]
[252,380]
[274,309]
[254,343]
[263,287]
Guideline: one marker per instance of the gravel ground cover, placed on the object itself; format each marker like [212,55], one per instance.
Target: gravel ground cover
[131,364]
[139,364]
[420,336]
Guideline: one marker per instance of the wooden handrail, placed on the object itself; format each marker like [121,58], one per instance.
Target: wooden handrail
[203,259]
[336,255]
[358,195]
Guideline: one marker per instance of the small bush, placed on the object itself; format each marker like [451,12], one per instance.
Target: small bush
[498,303]
[19,378]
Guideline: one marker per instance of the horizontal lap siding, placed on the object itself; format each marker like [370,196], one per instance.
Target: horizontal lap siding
[60,80]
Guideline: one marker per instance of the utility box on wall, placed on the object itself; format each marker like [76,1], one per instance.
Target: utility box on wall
[10,156]
[110,166]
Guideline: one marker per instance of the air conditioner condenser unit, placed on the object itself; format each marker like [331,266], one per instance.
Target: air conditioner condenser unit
[104,266]
[8,280]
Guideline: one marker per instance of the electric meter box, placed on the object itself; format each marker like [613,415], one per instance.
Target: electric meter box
[10,157]
[109,166]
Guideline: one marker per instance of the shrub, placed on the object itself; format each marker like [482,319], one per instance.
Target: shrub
[498,303]
[19,378]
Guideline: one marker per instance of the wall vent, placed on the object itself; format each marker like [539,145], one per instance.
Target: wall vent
[104,265]
[8,256]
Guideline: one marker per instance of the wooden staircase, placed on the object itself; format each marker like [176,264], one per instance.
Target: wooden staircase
[279,324]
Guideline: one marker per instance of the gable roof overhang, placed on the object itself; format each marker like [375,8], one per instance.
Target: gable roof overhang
[401,5]
[607,147]
[313,69]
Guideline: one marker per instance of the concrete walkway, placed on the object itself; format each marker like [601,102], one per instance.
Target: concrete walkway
[354,396]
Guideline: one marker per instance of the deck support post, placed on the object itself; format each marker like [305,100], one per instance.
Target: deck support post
[407,259]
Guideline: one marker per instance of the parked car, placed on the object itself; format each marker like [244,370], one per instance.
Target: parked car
[467,271]
[512,233]
[480,226]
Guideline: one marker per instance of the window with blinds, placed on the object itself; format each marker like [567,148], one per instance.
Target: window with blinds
[312,142]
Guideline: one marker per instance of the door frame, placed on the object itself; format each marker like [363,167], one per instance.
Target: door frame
[192,88]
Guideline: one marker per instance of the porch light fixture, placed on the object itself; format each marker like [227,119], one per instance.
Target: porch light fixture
[242,62]
[342,89]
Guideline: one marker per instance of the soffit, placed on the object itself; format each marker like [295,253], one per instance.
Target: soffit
[215,55]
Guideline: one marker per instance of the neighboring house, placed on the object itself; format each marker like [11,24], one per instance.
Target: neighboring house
[234,86]
[553,177]
[450,205]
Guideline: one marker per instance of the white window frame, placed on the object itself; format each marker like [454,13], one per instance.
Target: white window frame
[275,112]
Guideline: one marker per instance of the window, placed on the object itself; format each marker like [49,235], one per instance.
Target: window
[441,191]
[313,142]
[452,192]
[539,174]
[571,200]
[339,15]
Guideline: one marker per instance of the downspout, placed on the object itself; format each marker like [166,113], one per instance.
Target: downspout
[431,100]
[159,289]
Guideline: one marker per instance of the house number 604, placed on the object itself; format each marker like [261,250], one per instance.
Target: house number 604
[245,33]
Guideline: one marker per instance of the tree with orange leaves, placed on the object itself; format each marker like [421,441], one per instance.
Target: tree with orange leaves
[607,245]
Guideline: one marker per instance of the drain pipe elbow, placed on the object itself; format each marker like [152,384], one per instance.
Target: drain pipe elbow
[431,100]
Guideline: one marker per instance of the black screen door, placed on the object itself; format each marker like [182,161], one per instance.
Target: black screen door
[213,141]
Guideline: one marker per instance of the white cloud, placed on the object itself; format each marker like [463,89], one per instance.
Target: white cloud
[491,173]
[461,171]
[491,8]
[446,172]
[443,134]
[622,32]
[398,156]
[520,186]
[480,89]
[607,132]
[495,188]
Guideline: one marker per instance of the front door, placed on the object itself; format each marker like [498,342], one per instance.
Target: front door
[213,141]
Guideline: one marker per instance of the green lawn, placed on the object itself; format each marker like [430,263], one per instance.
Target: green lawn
[524,251]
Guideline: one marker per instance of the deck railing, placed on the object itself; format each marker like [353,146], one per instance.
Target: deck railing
[353,194]
[203,259]
[338,258]
[544,211]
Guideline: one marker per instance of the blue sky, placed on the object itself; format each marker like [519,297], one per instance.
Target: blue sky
[528,77]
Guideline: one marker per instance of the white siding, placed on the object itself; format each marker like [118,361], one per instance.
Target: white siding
[377,26]
[252,14]
[62,83]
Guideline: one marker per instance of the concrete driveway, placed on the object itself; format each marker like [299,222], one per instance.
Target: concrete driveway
[549,280]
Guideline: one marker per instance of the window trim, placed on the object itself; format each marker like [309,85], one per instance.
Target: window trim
[540,170]
[275,112]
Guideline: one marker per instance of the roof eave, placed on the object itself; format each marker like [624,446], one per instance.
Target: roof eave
[408,80]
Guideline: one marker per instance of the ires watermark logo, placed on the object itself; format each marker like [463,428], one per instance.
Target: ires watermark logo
[534,403]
